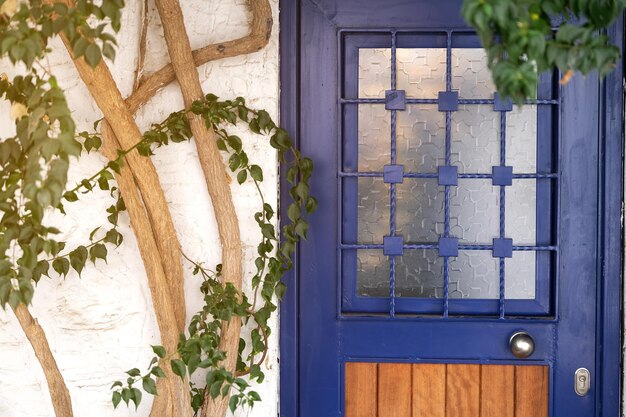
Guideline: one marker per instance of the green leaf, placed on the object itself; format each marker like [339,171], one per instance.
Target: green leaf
[93,55]
[242,176]
[178,367]
[256,172]
[134,372]
[234,142]
[61,266]
[158,372]
[78,258]
[116,398]
[232,403]
[149,385]
[98,251]
[159,351]
[293,212]
[136,397]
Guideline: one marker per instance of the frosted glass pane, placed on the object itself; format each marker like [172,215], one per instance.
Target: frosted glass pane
[521,139]
[372,273]
[373,210]
[521,212]
[421,72]
[475,211]
[474,274]
[475,139]
[419,274]
[520,275]
[374,72]
[420,138]
[374,137]
[419,214]
[470,73]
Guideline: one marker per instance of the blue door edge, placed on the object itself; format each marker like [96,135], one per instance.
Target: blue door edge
[289,39]
[609,264]
[610,261]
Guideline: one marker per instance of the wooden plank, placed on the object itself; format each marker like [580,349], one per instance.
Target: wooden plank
[497,391]
[463,391]
[531,391]
[360,387]
[394,390]
[429,390]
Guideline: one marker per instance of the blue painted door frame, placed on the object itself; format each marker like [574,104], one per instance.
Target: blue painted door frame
[586,326]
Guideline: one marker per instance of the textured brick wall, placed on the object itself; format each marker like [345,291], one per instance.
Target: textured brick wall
[102,324]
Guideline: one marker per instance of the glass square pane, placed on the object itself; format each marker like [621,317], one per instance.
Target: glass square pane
[520,275]
[420,138]
[470,73]
[521,212]
[372,273]
[475,211]
[521,139]
[421,72]
[419,213]
[419,274]
[373,210]
[374,72]
[374,134]
[474,274]
[475,139]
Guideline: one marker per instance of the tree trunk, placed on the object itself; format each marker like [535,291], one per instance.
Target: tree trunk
[216,179]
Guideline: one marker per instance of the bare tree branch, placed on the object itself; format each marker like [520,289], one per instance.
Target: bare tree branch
[59,394]
[215,176]
[257,39]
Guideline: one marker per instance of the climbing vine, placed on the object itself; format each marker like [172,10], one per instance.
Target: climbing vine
[33,181]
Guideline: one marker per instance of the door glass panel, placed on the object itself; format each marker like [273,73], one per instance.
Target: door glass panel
[373,210]
[474,274]
[420,138]
[452,181]
[475,138]
[470,73]
[374,72]
[374,132]
[421,72]
[521,139]
[373,273]
[419,214]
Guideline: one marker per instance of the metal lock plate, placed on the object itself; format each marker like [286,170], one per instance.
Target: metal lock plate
[582,381]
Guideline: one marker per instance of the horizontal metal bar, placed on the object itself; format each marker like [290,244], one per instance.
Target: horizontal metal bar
[409,246]
[466,101]
[462,176]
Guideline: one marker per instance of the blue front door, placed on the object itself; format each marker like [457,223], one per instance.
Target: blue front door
[449,220]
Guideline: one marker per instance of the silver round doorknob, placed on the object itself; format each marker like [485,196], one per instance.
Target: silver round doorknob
[522,345]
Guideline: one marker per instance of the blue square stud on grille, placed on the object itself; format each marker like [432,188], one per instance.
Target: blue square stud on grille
[501,105]
[395,99]
[448,100]
[448,175]
[392,174]
[502,175]
[448,246]
[502,248]
[392,245]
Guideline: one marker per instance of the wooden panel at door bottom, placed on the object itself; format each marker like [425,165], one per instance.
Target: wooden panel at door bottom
[445,390]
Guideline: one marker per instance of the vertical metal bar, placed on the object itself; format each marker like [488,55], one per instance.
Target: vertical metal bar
[502,208]
[392,187]
[446,232]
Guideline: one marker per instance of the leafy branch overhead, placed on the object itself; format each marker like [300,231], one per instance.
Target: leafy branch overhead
[524,38]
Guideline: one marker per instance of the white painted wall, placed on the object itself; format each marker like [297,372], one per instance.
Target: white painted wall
[102,324]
